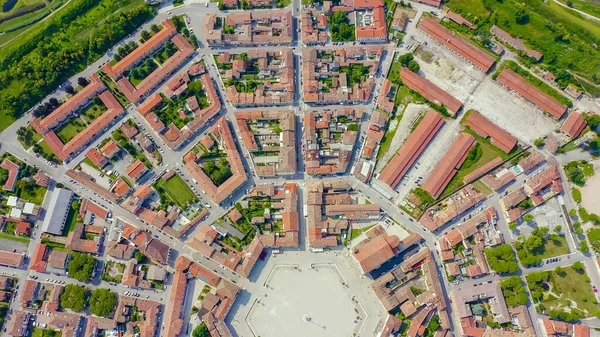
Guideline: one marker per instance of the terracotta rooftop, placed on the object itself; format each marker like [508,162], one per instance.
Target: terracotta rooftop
[412,148]
[13,172]
[446,168]
[430,91]
[483,127]
[473,54]
[530,92]
[573,124]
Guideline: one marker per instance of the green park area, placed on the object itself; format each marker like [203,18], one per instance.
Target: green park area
[79,33]
[70,129]
[539,246]
[93,111]
[594,237]
[218,172]
[357,231]
[565,292]
[176,190]
[139,73]
[565,38]
[165,52]
[340,27]
[15,15]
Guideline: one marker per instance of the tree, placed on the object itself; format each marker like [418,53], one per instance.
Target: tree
[69,89]
[74,297]
[572,212]
[201,331]
[102,302]
[560,271]
[82,82]
[81,266]
[558,229]
[538,142]
[139,256]
[502,259]
[154,28]
[583,247]
[533,242]
[528,217]
[521,16]
[145,35]
[512,226]
[514,291]
[577,266]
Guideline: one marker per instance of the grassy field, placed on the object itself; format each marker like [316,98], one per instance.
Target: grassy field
[69,130]
[591,7]
[178,191]
[594,236]
[45,148]
[564,37]
[38,332]
[552,248]
[93,111]
[573,287]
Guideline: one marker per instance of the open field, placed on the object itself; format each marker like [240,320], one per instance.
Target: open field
[29,138]
[591,7]
[565,37]
[590,194]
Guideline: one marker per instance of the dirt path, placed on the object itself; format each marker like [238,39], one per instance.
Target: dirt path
[589,16]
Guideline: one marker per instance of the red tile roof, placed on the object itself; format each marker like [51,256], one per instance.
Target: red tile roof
[473,54]
[135,170]
[459,19]
[530,92]
[483,127]
[378,31]
[83,96]
[109,149]
[37,261]
[96,157]
[64,151]
[446,168]
[11,259]
[573,124]
[418,140]
[152,44]
[134,94]
[13,172]
[429,90]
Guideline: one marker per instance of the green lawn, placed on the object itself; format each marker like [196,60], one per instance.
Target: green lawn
[93,111]
[178,191]
[23,20]
[38,332]
[9,228]
[356,232]
[594,236]
[45,149]
[386,142]
[113,88]
[69,130]
[552,248]
[138,74]
[162,55]
[14,238]
[565,38]
[29,138]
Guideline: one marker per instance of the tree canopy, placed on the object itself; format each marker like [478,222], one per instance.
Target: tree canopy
[81,266]
[102,302]
[514,291]
[340,27]
[74,297]
[201,331]
[502,259]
